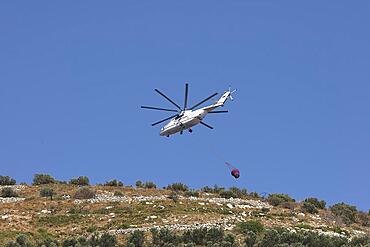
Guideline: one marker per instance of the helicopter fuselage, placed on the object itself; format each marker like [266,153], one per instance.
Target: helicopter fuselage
[186,120]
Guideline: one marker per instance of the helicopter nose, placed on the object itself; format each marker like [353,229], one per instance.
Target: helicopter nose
[161,133]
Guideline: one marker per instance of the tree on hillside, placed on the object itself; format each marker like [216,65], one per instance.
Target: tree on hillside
[6,180]
[39,179]
[150,185]
[316,202]
[84,193]
[80,181]
[277,199]
[178,187]
[8,192]
[114,183]
[346,212]
[139,184]
[47,192]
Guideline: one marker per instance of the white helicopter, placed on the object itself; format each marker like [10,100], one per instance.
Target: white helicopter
[185,118]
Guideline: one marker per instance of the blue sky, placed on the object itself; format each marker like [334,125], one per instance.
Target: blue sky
[74,73]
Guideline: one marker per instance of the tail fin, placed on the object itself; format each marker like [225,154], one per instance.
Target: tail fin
[225,96]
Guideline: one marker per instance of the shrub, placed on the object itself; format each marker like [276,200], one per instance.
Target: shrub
[216,189]
[107,240]
[39,179]
[136,238]
[114,183]
[47,192]
[150,185]
[164,237]
[239,192]
[118,193]
[277,199]
[8,192]
[203,236]
[20,241]
[254,194]
[318,204]
[174,196]
[80,181]
[227,194]
[84,193]
[346,212]
[308,207]
[363,219]
[288,205]
[6,180]
[178,187]
[192,193]
[250,226]
[270,238]
[250,239]
[139,184]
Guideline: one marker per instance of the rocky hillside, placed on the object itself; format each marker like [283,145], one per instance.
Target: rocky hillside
[60,211]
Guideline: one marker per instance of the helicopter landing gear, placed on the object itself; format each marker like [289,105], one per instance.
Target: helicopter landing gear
[168,135]
[181,132]
[190,131]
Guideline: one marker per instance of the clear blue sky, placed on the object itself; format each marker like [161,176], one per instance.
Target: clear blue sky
[74,73]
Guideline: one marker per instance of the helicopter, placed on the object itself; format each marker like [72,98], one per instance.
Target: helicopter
[186,118]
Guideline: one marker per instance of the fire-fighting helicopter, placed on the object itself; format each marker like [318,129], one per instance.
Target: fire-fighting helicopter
[185,118]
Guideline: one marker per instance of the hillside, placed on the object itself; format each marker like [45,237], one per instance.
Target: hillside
[120,210]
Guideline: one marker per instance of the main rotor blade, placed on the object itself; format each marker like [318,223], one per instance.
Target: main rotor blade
[164,120]
[157,108]
[209,126]
[170,100]
[210,97]
[186,95]
[218,111]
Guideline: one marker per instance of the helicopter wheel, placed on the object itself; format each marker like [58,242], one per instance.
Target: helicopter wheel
[181,132]
[190,131]
[168,136]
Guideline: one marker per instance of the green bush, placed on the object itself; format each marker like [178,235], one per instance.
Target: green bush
[8,192]
[227,194]
[164,237]
[6,180]
[215,190]
[177,187]
[150,185]
[84,193]
[277,199]
[47,192]
[107,240]
[139,184]
[203,236]
[250,226]
[114,183]
[240,193]
[207,189]
[80,181]
[118,193]
[39,179]
[136,239]
[254,194]
[250,239]
[191,193]
[308,207]
[346,212]
[316,202]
